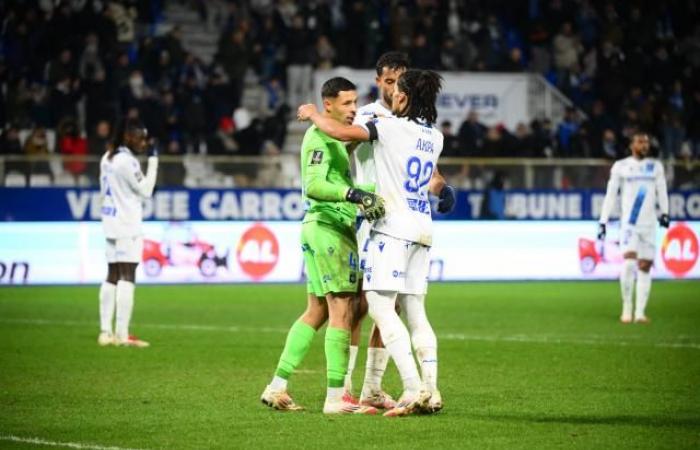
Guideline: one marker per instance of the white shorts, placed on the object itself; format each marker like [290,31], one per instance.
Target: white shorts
[396,265]
[363,242]
[128,250]
[639,240]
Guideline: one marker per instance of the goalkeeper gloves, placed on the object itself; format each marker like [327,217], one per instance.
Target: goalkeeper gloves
[601,231]
[372,204]
[664,220]
[447,200]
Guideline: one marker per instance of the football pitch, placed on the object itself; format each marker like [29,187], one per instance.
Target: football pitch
[522,365]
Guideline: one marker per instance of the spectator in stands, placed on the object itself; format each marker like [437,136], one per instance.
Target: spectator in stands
[566,130]
[471,134]
[610,147]
[234,56]
[325,53]
[36,147]
[71,143]
[172,173]
[99,139]
[10,146]
[299,57]
[64,99]
[567,49]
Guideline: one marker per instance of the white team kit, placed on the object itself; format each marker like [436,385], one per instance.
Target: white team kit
[398,250]
[642,186]
[123,187]
[365,169]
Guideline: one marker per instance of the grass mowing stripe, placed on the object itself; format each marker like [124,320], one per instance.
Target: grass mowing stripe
[39,441]
[530,339]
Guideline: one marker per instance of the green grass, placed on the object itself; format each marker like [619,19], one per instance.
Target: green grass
[522,365]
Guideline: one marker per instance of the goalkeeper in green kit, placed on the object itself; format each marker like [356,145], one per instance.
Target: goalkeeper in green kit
[330,254]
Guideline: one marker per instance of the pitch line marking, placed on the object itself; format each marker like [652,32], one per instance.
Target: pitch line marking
[39,441]
[518,338]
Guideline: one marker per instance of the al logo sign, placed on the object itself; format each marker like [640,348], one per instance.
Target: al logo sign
[258,251]
[679,250]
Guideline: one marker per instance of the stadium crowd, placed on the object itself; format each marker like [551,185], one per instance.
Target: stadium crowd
[75,66]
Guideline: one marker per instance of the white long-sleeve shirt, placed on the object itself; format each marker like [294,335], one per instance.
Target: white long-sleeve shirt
[642,185]
[123,188]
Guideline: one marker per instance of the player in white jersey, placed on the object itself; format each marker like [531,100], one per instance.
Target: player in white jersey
[123,187]
[642,186]
[389,67]
[406,151]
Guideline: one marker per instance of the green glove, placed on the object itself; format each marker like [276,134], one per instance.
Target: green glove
[371,204]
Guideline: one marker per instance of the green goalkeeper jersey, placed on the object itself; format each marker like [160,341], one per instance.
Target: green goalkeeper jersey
[325,176]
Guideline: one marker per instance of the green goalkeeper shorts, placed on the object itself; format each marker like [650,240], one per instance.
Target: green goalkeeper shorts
[330,256]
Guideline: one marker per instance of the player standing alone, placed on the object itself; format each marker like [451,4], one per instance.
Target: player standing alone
[405,153]
[123,187]
[641,183]
[330,255]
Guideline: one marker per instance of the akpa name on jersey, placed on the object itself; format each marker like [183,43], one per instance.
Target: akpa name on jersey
[423,145]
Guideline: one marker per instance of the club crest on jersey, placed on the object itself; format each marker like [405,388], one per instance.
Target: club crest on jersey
[317,157]
[649,168]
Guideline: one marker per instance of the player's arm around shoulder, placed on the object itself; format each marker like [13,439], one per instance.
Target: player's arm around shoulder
[332,127]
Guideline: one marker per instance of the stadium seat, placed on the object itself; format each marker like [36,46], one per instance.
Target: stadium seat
[64,179]
[15,179]
[39,180]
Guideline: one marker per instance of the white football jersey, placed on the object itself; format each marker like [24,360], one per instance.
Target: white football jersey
[365,172]
[123,187]
[405,156]
[642,185]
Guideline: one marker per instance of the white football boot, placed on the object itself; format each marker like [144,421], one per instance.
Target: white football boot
[279,400]
[131,341]
[105,339]
[344,407]
[408,404]
[378,399]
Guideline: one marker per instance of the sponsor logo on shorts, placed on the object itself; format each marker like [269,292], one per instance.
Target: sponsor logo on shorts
[331,250]
[327,278]
[398,274]
[353,277]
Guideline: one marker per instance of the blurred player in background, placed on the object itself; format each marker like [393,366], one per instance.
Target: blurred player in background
[389,68]
[123,187]
[406,151]
[330,255]
[642,185]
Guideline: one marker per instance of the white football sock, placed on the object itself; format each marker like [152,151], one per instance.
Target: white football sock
[278,384]
[125,304]
[627,285]
[107,302]
[351,366]
[643,290]
[377,360]
[423,338]
[334,394]
[395,336]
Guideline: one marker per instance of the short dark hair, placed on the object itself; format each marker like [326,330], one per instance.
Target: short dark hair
[126,125]
[392,60]
[422,88]
[331,88]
